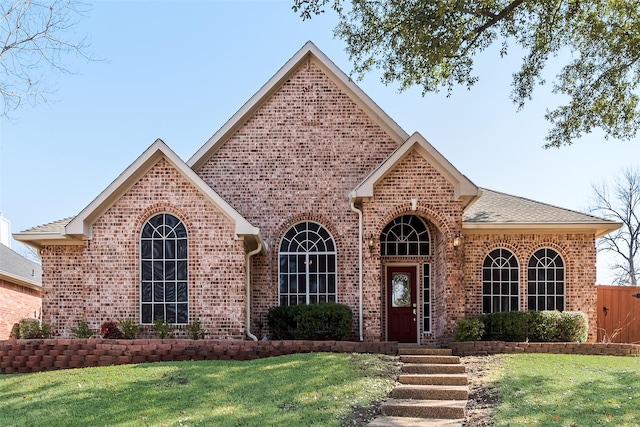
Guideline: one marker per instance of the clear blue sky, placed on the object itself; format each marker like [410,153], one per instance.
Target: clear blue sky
[178,70]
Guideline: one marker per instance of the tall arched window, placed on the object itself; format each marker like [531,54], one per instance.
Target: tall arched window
[307,260]
[500,281]
[163,270]
[405,236]
[546,281]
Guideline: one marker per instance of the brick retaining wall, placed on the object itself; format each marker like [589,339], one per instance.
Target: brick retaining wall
[22,356]
[481,348]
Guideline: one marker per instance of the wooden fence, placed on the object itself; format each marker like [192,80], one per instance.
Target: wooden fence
[619,314]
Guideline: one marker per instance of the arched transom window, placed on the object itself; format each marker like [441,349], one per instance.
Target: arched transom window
[500,281]
[307,264]
[163,270]
[546,283]
[405,236]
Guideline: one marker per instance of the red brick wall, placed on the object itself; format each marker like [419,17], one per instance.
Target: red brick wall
[297,159]
[17,302]
[100,279]
[577,250]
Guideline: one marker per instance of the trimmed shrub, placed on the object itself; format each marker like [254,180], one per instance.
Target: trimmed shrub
[573,327]
[15,331]
[507,326]
[545,326]
[521,326]
[469,329]
[110,330]
[327,321]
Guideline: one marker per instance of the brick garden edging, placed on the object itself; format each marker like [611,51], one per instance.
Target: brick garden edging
[481,348]
[22,356]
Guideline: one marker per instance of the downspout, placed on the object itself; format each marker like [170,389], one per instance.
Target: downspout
[247,264]
[359,212]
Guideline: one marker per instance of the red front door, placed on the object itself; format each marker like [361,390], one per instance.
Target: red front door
[401,304]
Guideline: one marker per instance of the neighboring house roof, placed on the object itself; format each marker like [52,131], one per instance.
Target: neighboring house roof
[15,268]
[309,52]
[464,189]
[495,210]
[79,228]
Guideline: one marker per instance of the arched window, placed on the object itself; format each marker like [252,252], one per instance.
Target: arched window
[163,270]
[546,281]
[500,281]
[405,236]
[307,261]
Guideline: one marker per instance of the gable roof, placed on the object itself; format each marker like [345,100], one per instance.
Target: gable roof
[464,189]
[495,210]
[308,52]
[15,268]
[79,228]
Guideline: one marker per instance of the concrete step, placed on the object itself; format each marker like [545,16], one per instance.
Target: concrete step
[413,422]
[431,392]
[421,350]
[431,368]
[431,359]
[434,379]
[439,409]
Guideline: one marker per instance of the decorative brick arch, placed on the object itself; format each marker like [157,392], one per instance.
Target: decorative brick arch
[160,208]
[423,211]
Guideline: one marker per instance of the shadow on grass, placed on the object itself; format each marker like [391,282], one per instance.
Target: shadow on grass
[312,389]
[571,394]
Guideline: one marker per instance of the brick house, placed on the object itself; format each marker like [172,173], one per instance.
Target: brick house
[311,193]
[20,289]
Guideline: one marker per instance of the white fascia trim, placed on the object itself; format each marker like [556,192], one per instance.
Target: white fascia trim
[21,281]
[81,225]
[599,230]
[38,240]
[463,187]
[308,52]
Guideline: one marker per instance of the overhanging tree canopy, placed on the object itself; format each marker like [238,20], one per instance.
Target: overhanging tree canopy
[432,44]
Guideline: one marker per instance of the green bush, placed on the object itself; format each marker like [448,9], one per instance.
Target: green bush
[469,329]
[195,331]
[536,326]
[129,329]
[82,331]
[162,329]
[328,321]
[28,329]
[545,326]
[573,326]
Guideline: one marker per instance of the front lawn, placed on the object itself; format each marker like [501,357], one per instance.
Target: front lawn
[568,390]
[297,390]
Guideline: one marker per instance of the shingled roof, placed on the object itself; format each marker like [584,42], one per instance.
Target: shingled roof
[17,269]
[52,227]
[499,210]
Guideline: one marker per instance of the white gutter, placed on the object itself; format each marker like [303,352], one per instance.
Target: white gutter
[359,212]
[247,263]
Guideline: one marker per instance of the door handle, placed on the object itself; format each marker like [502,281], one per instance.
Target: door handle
[414,312]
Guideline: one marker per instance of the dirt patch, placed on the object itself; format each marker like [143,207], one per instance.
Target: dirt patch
[483,396]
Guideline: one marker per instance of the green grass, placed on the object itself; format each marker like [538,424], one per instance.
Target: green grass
[568,390]
[297,390]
